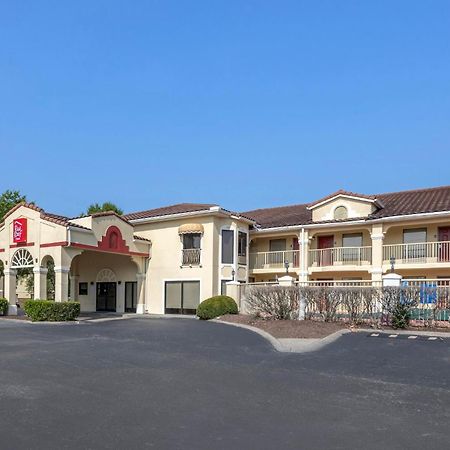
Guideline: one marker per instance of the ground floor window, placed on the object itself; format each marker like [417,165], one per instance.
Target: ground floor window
[130,296]
[182,297]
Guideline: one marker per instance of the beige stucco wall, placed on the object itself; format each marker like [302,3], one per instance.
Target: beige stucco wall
[338,235]
[165,263]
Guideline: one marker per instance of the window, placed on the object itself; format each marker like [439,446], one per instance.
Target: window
[182,297]
[227,246]
[340,213]
[82,289]
[130,296]
[191,249]
[242,243]
[277,245]
[415,238]
[353,242]
[191,240]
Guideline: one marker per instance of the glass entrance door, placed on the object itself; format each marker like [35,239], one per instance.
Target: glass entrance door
[106,297]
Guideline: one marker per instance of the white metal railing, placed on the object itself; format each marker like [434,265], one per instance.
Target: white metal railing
[337,256]
[190,257]
[274,260]
[421,252]
[340,283]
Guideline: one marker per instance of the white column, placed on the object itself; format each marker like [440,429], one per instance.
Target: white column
[303,240]
[392,280]
[286,281]
[10,290]
[377,236]
[233,290]
[140,307]
[40,283]
[74,287]
[61,283]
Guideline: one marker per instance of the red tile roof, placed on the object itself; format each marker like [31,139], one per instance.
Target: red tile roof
[167,210]
[54,218]
[414,202]
[392,204]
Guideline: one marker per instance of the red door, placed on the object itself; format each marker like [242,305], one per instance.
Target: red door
[444,245]
[296,253]
[326,244]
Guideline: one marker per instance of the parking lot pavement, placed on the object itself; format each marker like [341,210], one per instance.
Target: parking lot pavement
[172,384]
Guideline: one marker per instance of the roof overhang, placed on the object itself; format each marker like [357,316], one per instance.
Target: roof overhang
[213,211]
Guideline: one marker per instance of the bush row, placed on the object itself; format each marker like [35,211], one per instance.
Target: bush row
[50,311]
[3,306]
[216,306]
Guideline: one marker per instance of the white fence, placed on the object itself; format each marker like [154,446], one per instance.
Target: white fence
[427,301]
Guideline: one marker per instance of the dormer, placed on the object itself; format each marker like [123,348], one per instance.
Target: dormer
[343,205]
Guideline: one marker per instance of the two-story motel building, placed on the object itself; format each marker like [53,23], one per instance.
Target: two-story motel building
[167,260]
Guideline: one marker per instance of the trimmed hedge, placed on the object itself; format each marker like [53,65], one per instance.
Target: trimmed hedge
[216,306]
[50,311]
[3,306]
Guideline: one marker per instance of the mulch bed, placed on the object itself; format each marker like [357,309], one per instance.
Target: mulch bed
[305,329]
[292,329]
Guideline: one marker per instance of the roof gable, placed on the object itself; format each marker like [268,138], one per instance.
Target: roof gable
[343,194]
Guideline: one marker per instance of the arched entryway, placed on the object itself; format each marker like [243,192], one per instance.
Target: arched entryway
[105,281]
[22,263]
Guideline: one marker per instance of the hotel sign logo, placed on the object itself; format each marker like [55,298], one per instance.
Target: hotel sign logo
[19,230]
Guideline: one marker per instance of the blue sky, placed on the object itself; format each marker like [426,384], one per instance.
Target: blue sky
[243,103]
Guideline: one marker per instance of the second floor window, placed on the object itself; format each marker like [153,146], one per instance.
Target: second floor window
[191,241]
[242,243]
[416,239]
[227,246]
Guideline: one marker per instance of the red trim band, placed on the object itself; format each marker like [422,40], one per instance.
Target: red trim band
[19,244]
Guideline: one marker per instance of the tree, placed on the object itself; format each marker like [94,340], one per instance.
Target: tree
[107,206]
[8,200]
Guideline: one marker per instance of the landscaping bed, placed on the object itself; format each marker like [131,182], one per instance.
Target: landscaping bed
[292,329]
[308,329]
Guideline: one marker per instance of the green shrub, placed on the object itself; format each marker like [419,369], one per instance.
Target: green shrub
[3,306]
[216,306]
[50,311]
[401,316]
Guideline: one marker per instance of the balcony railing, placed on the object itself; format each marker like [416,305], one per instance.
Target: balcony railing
[190,257]
[421,252]
[338,256]
[274,260]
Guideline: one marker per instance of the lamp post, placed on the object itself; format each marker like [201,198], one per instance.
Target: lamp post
[233,273]
[286,265]
[392,261]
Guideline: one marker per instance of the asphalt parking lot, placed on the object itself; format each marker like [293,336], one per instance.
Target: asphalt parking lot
[183,383]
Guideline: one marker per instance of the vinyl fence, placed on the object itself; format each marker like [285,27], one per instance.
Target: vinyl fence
[426,301]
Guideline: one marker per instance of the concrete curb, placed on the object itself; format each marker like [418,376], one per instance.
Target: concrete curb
[274,341]
[310,345]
